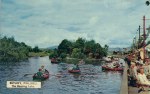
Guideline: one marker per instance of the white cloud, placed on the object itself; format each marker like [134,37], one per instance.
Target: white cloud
[47,22]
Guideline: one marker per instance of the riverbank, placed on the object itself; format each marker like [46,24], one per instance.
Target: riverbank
[86,60]
[38,54]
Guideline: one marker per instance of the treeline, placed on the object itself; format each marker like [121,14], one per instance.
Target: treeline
[81,48]
[11,50]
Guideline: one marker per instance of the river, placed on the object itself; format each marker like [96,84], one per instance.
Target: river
[92,79]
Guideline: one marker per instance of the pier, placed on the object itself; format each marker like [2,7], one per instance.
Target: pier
[125,89]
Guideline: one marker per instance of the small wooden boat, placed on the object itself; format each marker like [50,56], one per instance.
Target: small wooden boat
[111,69]
[43,77]
[54,61]
[74,71]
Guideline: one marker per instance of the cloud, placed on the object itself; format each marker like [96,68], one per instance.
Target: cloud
[47,22]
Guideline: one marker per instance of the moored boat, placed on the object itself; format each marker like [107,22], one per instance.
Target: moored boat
[74,71]
[54,61]
[41,78]
[111,69]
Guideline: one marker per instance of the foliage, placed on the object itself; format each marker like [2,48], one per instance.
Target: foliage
[65,47]
[37,54]
[53,53]
[80,48]
[63,55]
[11,50]
[76,53]
[36,49]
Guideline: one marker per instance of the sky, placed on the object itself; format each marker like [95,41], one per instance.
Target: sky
[46,23]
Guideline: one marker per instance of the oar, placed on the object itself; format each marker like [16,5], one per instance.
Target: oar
[27,74]
[49,74]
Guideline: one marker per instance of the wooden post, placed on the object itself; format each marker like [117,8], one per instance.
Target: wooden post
[144,35]
[139,37]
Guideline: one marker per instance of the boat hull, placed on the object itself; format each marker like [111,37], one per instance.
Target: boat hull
[111,69]
[74,71]
[44,77]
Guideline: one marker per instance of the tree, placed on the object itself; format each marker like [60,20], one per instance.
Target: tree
[36,49]
[11,50]
[53,53]
[147,3]
[80,42]
[65,47]
[76,53]
[89,47]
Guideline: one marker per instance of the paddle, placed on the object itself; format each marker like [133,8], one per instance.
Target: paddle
[49,74]
[27,74]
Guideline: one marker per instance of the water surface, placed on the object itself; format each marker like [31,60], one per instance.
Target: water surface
[91,80]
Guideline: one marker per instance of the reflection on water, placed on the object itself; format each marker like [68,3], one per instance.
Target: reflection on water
[91,80]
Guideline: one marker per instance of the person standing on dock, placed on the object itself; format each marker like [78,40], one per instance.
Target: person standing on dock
[133,74]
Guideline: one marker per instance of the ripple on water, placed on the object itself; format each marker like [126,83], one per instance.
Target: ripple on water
[91,80]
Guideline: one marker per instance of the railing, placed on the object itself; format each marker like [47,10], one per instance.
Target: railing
[124,83]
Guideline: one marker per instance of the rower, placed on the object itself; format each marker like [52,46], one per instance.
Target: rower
[39,73]
[42,69]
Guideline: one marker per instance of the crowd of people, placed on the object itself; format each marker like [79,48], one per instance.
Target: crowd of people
[115,63]
[138,71]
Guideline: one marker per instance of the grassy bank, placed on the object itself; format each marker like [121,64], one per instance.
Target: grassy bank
[38,54]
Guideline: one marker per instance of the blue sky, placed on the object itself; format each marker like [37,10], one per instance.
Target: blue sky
[47,22]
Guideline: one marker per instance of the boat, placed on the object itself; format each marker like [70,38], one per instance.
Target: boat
[54,61]
[74,71]
[111,69]
[42,78]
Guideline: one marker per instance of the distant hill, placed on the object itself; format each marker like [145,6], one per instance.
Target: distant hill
[52,47]
[118,49]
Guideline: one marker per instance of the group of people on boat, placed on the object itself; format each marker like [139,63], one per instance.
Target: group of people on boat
[115,63]
[41,71]
[138,71]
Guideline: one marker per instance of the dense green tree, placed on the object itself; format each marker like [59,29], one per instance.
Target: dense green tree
[76,53]
[53,54]
[65,47]
[81,48]
[89,47]
[80,42]
[11,50]
[36,49]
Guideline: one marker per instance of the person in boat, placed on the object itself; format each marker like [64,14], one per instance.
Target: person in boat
[81,62]
[43,69]
[75,67]
[116,65]
[39,73]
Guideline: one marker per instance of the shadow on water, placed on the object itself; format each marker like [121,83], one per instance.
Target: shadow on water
[92,79]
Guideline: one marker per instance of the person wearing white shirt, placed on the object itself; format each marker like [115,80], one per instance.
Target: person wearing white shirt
[142,78]
[143,81]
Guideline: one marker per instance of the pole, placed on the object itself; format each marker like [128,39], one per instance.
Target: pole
[144,36]
[139,37]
